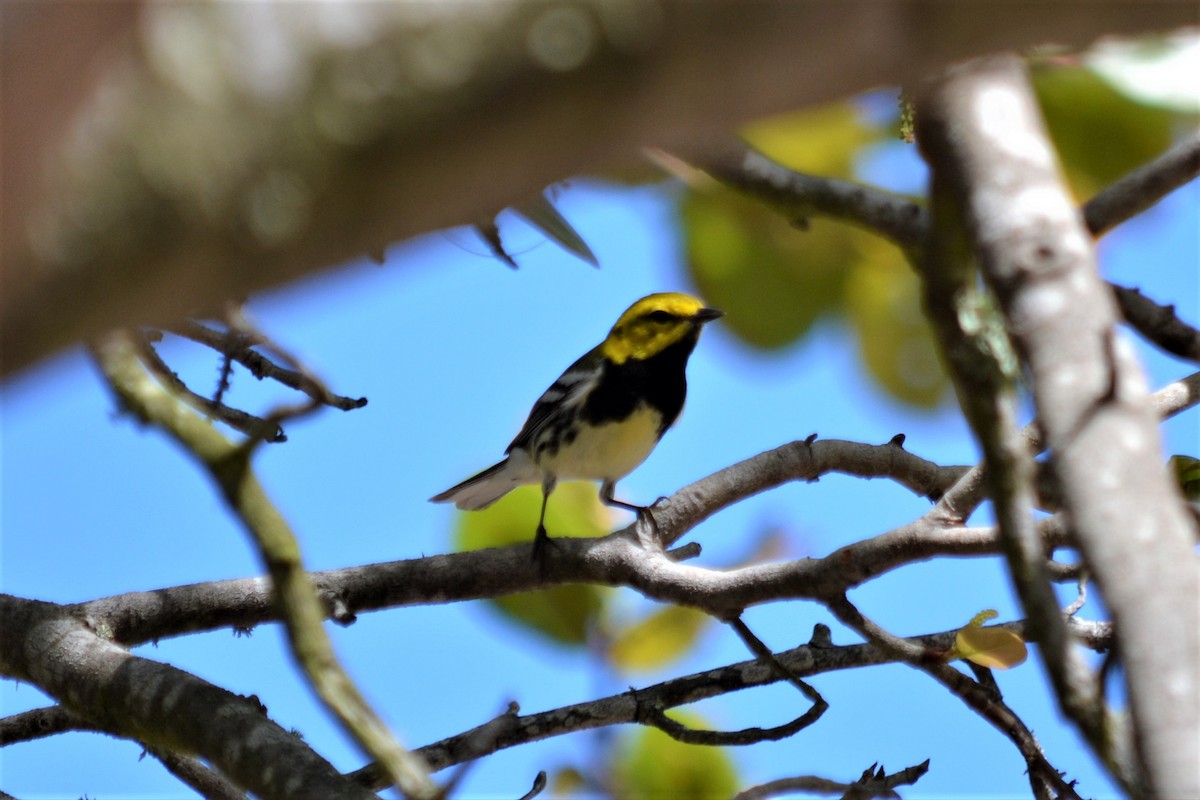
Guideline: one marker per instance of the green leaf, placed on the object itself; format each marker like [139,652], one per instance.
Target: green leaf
[650,764]
[772,281]
[1187,473]
[658,639]
[1099,132]
[883,303]
[563,614]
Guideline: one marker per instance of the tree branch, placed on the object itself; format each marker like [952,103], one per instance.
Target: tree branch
[154,704]
[293,593]
[1042,775]
[982,132]
[628,707]
[215,197]
[873,783]
[1143,187]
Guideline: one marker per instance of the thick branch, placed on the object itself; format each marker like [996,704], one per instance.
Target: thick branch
[193,186]
[158,705]
[981,130]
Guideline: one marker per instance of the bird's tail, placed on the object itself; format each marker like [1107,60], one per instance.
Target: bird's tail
[480,491]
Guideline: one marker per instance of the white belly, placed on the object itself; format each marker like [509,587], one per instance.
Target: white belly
[608,452]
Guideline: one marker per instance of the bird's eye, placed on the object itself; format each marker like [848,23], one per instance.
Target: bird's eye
[659,316]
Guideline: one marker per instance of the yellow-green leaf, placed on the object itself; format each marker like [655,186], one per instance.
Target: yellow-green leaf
[883,302]
[650,764]
[994,648]
[562,613]
[823,141]
[658,639]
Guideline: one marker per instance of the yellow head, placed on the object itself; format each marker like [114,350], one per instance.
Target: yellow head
[653,324]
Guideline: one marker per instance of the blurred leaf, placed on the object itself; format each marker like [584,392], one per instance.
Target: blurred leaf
[562,613]
[994,648]
[540,212]
[1187,473]
[883,303]
[772,281]
[650,765]
[1099,132]
[658,639]
[566,782]
[824,140]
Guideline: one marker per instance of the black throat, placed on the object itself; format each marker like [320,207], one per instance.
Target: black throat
[659,381]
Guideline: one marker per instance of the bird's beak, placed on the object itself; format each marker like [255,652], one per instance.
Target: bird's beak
[708,315]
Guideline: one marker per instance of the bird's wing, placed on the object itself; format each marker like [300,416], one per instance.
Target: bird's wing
[562,399]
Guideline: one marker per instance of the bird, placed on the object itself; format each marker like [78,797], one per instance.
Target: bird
[604,415]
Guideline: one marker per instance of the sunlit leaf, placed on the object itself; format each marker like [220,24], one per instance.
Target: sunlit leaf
[650,764]
[994,648]
[658,639]
[562,613]
[883,303]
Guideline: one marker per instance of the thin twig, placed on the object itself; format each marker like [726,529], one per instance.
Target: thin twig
[976,697]
[873,783]
[1143,187]
[293,592]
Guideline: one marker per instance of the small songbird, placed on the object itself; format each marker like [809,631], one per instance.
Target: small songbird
[605,414]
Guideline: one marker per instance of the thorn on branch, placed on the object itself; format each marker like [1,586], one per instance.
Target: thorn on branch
[685,552]
[821,636]
[897,440]
[339,608]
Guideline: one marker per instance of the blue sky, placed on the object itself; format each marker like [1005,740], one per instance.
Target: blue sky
[451,348]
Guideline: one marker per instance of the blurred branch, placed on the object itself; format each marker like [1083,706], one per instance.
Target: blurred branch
[1096,415]
[1158,324]
[905,222]
[986,378]
[295,599]
[175,185]
[1143,187]
[797,196]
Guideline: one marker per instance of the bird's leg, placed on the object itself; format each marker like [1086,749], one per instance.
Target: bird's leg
[644,517]
[541,539]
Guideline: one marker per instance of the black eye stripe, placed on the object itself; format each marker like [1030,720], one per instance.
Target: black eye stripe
[660,316]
